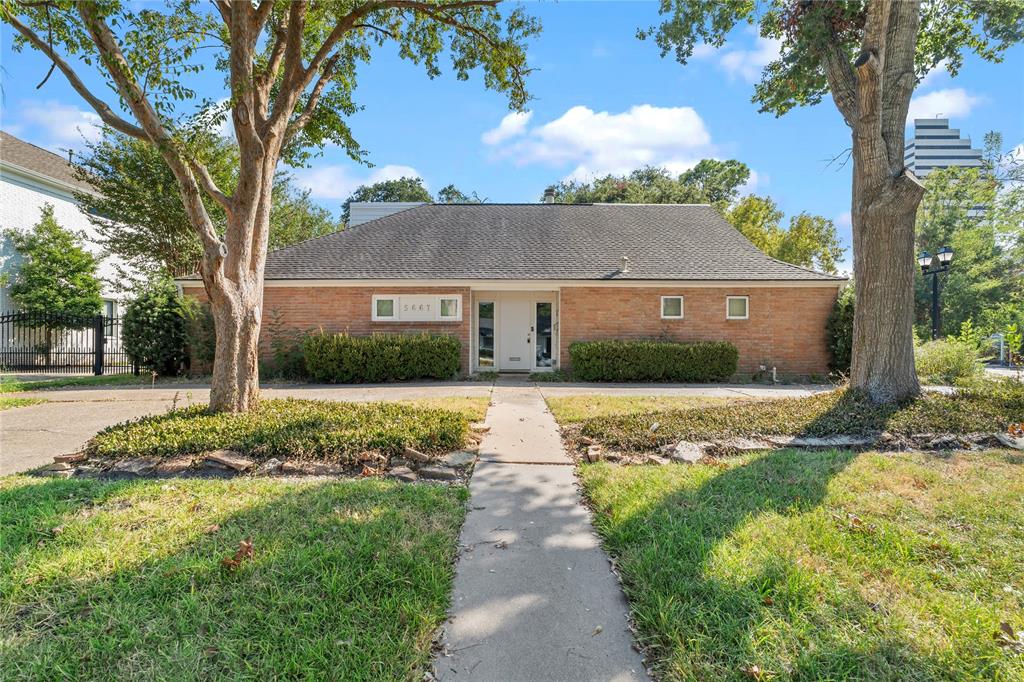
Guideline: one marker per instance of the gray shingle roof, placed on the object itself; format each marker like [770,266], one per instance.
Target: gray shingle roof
[36,159]
[537,241]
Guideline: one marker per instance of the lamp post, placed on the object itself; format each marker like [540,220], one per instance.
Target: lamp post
[943,258]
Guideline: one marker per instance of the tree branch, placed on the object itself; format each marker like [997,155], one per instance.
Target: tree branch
[210,185]
[842,82]
[300,122]
[106,114]
[120,71]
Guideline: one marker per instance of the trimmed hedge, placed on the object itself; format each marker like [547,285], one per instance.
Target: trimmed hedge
[344,359]
[287,429]
[653,361]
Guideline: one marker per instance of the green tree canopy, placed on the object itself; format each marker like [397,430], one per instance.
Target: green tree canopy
[979,213]
[406,189]
[56,274]
[139,215]
[810,241]
[450,194]
[400,189]
[710,181]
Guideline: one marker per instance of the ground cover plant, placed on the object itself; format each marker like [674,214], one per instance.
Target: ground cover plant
[987,406]
[8,402]
[288,428]
[572,409]
[821,565]
[128,580]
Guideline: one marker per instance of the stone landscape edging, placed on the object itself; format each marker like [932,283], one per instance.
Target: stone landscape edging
[690,452]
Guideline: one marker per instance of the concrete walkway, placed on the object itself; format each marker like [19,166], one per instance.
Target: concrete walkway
[534,597]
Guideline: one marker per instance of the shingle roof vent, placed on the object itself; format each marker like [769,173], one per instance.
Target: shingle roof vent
[624,268]
[549,195]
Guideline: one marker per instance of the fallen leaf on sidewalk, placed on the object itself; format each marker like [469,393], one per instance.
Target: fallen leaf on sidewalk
[501,544]
[598,630]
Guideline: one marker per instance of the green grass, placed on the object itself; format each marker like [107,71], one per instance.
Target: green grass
[289,428]
[102,580]
[573,409]
[12,385]
[821,565]
[992,407]
[7,402]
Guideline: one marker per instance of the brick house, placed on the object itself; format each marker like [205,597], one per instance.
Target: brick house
[518,283]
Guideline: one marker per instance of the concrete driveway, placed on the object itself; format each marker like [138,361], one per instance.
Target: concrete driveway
[31,436]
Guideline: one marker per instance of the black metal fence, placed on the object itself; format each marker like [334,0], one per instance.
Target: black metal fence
[54,343]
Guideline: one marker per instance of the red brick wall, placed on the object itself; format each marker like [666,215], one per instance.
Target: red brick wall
[348,309]
[786,325]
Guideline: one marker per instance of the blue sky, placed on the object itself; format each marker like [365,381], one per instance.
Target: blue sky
[604,102]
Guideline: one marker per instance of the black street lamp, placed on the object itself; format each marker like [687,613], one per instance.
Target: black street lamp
[943,258]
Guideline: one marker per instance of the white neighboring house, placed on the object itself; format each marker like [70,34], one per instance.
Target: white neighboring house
[30,177]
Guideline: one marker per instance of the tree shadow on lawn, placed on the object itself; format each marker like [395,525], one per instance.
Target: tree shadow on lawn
[720,576]
[348,579]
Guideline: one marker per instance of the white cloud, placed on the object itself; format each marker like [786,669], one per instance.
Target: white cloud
[54,125]
[704,50]
[748,64]
[338,182]
[755,182]
[940,72]
[948,103]
[512,125]
[601,142]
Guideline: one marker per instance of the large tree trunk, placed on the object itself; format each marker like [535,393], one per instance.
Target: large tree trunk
[883,268]
[236,384]
[874,96]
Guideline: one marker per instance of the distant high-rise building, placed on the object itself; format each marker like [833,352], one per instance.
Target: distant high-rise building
[936,145]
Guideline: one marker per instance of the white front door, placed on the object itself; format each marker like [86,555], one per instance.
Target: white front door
[515,328]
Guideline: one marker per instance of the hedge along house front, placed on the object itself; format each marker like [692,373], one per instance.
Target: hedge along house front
[516,284]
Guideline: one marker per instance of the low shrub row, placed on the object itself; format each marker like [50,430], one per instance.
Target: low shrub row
[340,358]
[287,429]
[985,406]
[653,361]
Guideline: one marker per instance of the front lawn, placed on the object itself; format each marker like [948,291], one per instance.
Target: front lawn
[294,429]
[572,409]
[821,565]
[102,580]
[988,408]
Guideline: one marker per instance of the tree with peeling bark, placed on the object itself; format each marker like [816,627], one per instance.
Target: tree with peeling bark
[869,55]
[290,71]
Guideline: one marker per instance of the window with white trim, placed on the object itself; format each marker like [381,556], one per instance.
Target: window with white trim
[671,307]
[737,307]
[449,308]
[416,308]
[385,308]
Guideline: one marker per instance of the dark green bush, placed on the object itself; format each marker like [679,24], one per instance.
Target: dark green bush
[155,328]
[839,332]
[286,359]
[653,361]
[202,339]
[343,359]
[287,429]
